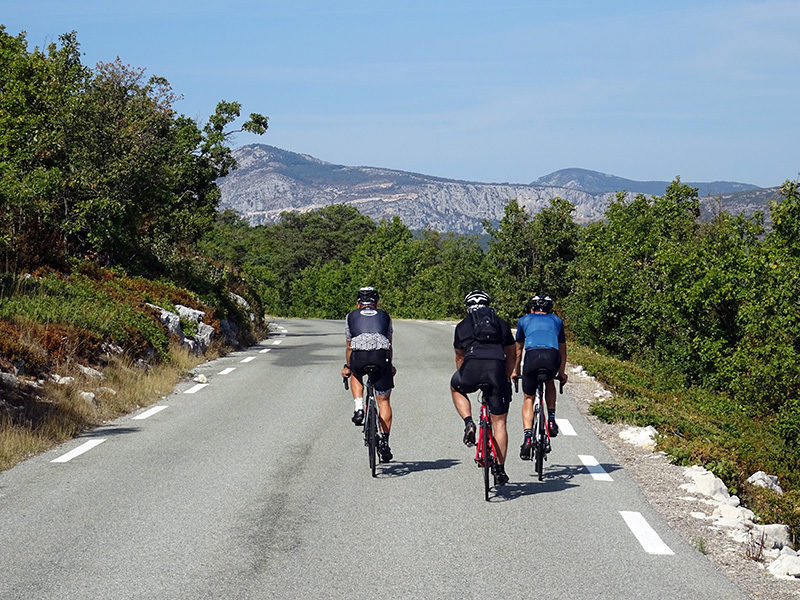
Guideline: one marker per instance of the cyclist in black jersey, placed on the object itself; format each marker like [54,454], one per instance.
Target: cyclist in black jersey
[485,354]
[368,334]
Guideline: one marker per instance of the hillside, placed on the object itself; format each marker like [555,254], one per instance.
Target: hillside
[600,183]
[270,180]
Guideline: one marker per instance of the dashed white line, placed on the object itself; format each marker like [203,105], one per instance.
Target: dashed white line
[149,413]
[647,536]
[598,473]
[264,351]
[276,342]
[248,359]
[226,371]
[195,388]
[565,427]
[78,451]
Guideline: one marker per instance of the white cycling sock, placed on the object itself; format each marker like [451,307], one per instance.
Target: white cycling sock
[359,402]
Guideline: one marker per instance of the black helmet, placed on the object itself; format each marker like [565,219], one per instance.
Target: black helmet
[476,298]
[542,303]
[367,295]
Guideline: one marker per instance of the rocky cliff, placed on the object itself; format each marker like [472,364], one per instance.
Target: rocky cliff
[270,180]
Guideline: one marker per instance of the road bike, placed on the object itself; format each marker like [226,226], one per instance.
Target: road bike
[485,455]
[541,423]
[371,429]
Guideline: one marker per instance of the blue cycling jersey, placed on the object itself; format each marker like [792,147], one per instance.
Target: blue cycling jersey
[540,331]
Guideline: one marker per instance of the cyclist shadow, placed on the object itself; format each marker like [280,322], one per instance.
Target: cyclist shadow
[401,469]
[555,479]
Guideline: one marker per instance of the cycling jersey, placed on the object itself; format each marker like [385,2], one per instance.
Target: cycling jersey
[368,328]
[539,330]
[464,339]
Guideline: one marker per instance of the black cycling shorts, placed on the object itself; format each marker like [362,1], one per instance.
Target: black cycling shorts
[474,372]
[548,359]
[359,359]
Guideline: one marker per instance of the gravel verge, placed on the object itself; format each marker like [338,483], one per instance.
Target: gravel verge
[660,481]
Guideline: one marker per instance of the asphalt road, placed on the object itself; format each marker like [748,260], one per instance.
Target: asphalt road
[257,486]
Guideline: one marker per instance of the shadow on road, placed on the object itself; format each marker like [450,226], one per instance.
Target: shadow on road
[399,469]
[107,431]
[557,478]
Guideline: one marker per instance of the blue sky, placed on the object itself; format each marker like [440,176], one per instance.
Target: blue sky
[500,91]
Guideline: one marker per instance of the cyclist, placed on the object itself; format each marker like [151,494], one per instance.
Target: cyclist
[541,333]
[485,354]
[368,334]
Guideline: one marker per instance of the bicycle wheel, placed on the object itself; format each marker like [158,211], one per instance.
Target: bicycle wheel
[486,451]
[372,435]
[539,441]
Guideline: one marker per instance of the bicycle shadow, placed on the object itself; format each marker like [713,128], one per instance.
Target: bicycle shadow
[401,469]
[555,480]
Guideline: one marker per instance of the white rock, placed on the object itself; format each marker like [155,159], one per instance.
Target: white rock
[644,437]
[727,512]
[200,379]
[761,479]
[734,501]
[776,535]
[189,314]
[108,390]
[9,379]
[788,551]
[602,395]
[62,380]
[785,566]
[89,372]
[89,397]
[699,515]
[579,371]
[705,483]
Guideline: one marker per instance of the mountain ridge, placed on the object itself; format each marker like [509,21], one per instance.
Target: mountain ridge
[271,180]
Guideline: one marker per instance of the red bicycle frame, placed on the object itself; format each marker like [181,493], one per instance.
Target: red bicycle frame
[479,449]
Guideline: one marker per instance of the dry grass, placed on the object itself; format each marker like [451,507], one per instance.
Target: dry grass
[31,423]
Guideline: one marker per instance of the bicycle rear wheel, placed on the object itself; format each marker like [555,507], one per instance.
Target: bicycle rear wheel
[539,441]
[372,435]
[486,451]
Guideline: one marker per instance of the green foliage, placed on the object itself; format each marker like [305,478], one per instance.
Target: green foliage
[97,163]
[79,303]
[531,255]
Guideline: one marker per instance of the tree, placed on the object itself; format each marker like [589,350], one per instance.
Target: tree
[99,164]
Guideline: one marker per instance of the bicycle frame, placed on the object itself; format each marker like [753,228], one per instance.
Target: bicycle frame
[479,449]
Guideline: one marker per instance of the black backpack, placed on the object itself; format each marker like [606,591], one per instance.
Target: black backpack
[486,326]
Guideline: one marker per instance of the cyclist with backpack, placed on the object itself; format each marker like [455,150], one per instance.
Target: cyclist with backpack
[541,334]
[485,354]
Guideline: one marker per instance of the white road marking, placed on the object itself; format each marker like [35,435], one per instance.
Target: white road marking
[78,451]
[565,427]
[195,388]
[264,351]
[248,359]
[228,370]
[149,413]
[276,342]
[597,472]
[647,536]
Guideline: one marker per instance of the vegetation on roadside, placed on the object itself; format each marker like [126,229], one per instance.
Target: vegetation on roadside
[104,192]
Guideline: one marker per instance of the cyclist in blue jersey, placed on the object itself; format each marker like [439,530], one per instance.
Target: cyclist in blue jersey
[541,334]
[368,340]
